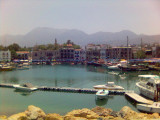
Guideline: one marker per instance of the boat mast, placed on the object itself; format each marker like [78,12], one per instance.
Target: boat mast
[127,50]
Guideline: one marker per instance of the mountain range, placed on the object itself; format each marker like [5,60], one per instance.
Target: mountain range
[45,35]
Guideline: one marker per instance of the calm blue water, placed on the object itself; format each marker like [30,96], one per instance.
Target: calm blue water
[64,76]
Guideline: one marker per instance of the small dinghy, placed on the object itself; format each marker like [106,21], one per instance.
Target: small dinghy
[25,87]
[102,94]
[153,108]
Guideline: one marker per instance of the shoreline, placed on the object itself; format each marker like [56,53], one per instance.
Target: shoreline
[99,113]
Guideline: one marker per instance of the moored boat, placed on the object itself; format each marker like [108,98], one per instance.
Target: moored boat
[148,84]
[25,87]
[153,108]
[102,94]
[109,86]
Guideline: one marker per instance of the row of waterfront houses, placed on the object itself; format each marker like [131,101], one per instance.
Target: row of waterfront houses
[91,52]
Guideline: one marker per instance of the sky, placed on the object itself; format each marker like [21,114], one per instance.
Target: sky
[21,16]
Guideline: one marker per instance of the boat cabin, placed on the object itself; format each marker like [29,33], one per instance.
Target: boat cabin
[110,84]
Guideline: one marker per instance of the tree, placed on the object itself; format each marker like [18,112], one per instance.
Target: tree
[140,54]
[14,47]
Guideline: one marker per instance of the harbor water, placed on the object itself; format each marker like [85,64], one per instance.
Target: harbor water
[75,76]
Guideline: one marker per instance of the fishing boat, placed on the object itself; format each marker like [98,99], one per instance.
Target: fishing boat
[149,86]
[25,87]
[109,86]
[153,108]
[102,94]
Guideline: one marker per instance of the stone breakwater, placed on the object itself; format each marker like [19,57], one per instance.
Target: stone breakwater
[97,113]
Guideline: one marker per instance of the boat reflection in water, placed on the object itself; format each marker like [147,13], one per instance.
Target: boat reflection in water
[101,102]
[23,93]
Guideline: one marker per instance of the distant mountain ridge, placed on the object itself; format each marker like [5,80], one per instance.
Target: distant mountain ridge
[45,35]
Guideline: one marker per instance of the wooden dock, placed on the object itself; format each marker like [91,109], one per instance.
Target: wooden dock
[138,98]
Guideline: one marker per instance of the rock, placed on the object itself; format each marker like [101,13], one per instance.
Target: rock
[114,114]
[53,116]
[35,113]
[74,118]
[127,113]
[17,116]
[83,113]
[3,117]
[155,116]
[101,111]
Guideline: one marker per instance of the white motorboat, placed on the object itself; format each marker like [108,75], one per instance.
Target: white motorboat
[114,67]
[149,86]
[25,87]
[153,108]
[109,86]
[102,94]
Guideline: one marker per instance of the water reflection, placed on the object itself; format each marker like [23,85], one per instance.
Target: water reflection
[102,102]
[23,93]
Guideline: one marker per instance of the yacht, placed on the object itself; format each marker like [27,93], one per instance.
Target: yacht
[25,87]
[149,86]
[109,86]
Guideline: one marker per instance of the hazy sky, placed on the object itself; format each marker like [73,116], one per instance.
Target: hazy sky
[139,16]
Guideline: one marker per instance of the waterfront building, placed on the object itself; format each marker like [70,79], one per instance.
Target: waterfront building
[67,54]
[103,51]
[92,55]
[119,53]
[83,55]
[5,56]
[23,55]
[148,54]
[156,51]
[43,55]
[77,56]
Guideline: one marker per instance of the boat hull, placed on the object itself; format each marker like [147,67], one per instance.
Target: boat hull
[108,88]
[148,108]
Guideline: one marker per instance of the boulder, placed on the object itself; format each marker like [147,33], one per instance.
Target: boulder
[155,116]
[127,113]
[83,113]
[3,117]
[53,116]
[17,116]
[74,118]
[35,113]
[101,111]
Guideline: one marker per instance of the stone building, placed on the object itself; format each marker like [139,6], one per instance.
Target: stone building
[5,56]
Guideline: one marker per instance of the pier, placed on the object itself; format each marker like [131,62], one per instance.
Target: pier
[73,90]
[138,98]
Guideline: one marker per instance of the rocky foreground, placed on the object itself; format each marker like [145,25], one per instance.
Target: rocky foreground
[97,113]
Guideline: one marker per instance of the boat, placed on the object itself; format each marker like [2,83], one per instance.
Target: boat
[114,67]
[133,68]
[153,108]
[25,87]
[109,86]
[148,85]
[102,94]
[6,68]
